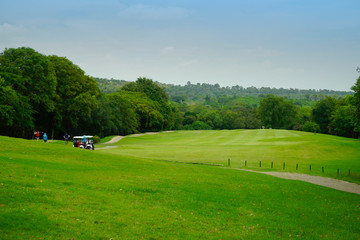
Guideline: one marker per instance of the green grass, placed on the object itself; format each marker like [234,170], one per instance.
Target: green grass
[106,139]
[253,146]
[53,191]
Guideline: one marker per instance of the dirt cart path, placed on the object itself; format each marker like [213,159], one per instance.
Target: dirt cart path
[107,147]
[114,139]
[118,138]
[322,181]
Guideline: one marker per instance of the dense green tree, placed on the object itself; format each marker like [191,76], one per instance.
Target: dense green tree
[32,76]
[189,118]
[251,119]
[166,113]
[321,113]
[178,99]
[76,95]
[276,112]
[310,126]
[102,119]
[212,117]
[147,111]
[356,103]
[302,116]
[122,115]
[15,112]
[150,88]
[343,118]
[232,120]
[197,125]
[343,121]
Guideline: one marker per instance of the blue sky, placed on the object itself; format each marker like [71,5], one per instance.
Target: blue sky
[306,44]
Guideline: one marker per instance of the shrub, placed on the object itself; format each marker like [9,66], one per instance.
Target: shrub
[311,127]
[197,125]
[96,139]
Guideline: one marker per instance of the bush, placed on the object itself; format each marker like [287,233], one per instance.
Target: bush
[96,139]
[297,127]
[311,127]
[197,125]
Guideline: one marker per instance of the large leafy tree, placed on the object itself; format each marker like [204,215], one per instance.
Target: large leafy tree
[356,102]
[150,88]
[321,113]
[162,114]
[115,116]
[76,95]
[31,75]
[147,111]
[15,111]
[343,121]
[276,112]
[232,120]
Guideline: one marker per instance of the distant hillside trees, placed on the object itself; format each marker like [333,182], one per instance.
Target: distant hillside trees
[194,92]
[201,91]
[53,95]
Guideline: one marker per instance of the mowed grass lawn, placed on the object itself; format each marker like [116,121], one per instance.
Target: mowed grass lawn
[277,146]
[53,191]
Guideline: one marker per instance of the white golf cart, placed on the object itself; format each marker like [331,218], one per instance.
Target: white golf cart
[78,141]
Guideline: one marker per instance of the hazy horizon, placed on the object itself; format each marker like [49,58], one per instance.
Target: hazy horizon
[195,83]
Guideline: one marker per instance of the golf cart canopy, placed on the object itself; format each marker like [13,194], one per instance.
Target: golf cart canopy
[81,137]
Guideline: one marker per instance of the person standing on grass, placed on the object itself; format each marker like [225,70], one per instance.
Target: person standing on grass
[66,136]
[37,135]
[84,141]
[45,138]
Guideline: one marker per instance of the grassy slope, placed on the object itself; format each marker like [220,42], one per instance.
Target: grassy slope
[53,191]
[253,146]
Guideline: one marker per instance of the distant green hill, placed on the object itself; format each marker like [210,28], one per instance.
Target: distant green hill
[109,85]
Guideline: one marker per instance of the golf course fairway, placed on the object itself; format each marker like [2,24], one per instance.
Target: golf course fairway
[301,152]
[142,189]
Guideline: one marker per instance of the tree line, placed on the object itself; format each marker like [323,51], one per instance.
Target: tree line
[193,92]
[330,115]
[52,94]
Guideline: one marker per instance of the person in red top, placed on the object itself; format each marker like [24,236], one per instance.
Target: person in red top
[37,135]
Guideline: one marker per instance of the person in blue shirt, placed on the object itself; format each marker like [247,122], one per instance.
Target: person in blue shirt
[45,138]
[84,141]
